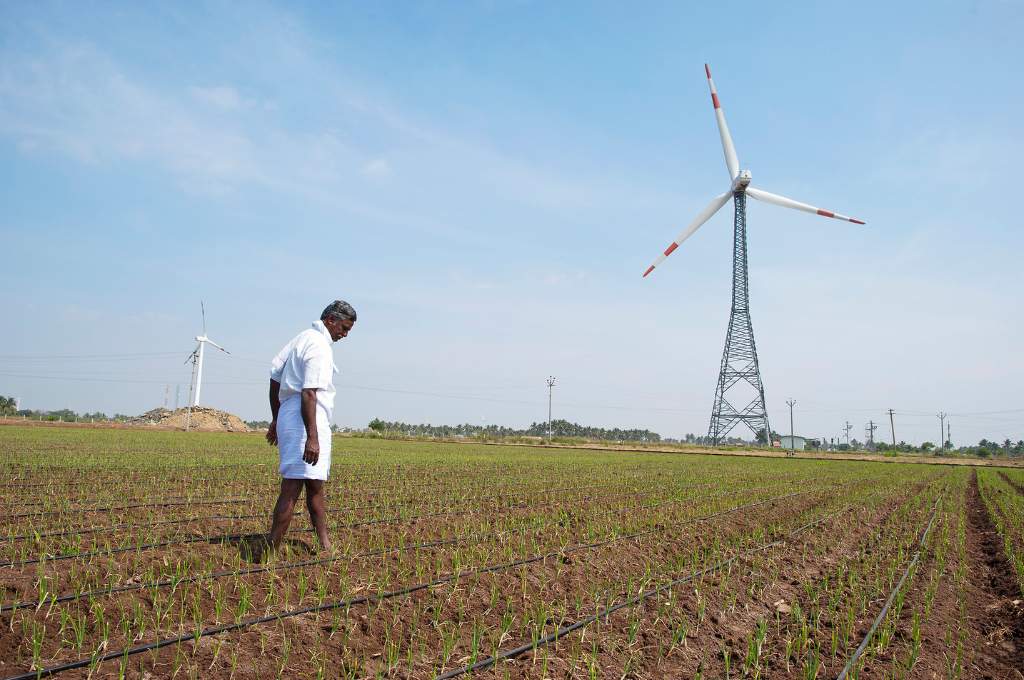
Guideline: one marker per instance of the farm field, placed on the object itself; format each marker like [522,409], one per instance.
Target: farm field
[138,554]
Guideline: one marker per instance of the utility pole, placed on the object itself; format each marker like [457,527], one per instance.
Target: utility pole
[551,383]
[892,426]
[871,434]
[177,396]
[949,437]
[167,395]
[847,429]
[942,430]
[792,443]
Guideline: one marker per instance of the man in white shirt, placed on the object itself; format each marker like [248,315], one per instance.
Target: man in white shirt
[302,401]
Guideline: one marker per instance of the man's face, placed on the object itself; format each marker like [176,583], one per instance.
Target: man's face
[338,327]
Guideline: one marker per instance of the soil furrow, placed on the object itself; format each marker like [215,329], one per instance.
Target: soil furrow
[995,605]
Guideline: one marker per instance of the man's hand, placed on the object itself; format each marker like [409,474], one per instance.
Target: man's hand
[312,453]
[272,432]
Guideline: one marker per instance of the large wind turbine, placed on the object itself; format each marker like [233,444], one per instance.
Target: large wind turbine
[197,359]
[739,360]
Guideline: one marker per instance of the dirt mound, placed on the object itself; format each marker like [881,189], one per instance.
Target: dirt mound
[201,418]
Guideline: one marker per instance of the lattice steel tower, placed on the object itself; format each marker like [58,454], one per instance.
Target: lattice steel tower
[739,370]
[739,359]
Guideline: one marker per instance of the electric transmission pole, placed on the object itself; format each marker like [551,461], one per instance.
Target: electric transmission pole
[551,383]
[892,426]
[871,434]
[847,430]
[949,437]
[792,443]
[942,430]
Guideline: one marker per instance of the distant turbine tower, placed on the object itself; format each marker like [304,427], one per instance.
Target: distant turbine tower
[739,360]
[197,359]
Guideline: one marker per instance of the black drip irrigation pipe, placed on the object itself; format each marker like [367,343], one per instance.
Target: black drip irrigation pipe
[68,597]
[117,527]
[228,538]
[386,520]
[362,599]
[258,486]
[109,508]
[371,506]
[892,596]
[562,631]
[340,485]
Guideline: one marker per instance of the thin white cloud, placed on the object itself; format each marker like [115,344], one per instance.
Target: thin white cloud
[221,96]
[378,167]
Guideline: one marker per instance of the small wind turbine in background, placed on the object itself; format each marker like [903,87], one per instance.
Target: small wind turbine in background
[197,361]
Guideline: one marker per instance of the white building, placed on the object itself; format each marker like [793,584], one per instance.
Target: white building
[796,442]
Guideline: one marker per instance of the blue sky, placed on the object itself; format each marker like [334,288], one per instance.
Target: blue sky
[486,182]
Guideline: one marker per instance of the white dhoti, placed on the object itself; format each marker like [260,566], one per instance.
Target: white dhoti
[291,442]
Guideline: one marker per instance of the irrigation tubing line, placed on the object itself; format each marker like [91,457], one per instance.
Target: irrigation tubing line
[362,599]
[383,520]
[228,538]
[256,485]
[160,474]
[116,527]
[562,631]
[892,596]
[371,506]
[167,504]
[173,582]
[105,529]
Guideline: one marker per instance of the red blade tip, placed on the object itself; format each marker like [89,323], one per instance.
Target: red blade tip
[649,270]
[708,71]
[856,221]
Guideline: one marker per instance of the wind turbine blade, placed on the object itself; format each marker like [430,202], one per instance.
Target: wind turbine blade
[731,161]
[203,307]
[797,205]
[702,217]
[217,346]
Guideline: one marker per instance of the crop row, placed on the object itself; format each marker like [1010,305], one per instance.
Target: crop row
[190,604]
[383,593]
[1004,501]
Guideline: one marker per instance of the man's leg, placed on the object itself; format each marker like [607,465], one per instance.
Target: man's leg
[317,506]
[290,490]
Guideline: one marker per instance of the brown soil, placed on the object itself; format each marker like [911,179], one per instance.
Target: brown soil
[356,641]
[996,606]
[364,636]
[199,418]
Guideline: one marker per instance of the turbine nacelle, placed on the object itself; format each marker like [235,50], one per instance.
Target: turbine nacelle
[742,180]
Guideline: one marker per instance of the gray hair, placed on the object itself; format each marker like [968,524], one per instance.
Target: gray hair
[339,309]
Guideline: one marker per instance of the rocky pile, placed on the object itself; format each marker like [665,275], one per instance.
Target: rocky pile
[201,418]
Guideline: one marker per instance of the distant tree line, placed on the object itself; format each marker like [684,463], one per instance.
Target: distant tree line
[8,407]
[559,428]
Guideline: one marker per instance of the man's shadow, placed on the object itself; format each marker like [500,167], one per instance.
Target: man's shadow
[255,548]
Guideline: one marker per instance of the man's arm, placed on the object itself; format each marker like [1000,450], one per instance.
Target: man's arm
[275,406]
[312,453]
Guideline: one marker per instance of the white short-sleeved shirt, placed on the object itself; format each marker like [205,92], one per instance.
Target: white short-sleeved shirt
[307,362]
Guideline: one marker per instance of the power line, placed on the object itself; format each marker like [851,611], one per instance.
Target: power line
[112,357]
